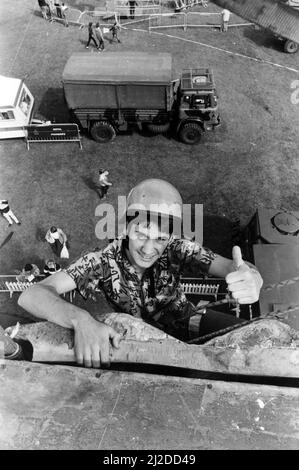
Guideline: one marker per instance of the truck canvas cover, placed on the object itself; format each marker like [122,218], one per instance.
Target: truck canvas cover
[117,80]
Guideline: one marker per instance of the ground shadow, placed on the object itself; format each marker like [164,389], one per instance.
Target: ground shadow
[263,38]
[53,106]
[37,13]
[6,239]
[40,234]
[145,132]
[90,183]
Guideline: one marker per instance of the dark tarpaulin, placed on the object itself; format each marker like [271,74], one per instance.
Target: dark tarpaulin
[119,67]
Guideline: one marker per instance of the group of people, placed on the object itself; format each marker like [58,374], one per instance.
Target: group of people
[31,271]
[51,9]
[58,242]
[95,35]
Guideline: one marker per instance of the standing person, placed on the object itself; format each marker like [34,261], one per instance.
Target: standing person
[57,239]
[114,29]
[99,36]
[103,183]
[132,4]
[7,213]
[63,10]
[140,274]
[51,5]
[225,15]
[91,36]
[45,9]
[60,10]
[51,267]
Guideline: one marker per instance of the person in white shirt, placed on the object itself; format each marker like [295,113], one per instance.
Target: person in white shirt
[225,15]
[60,11]
[103,183]
[63,10]
[7,213]
[57,239]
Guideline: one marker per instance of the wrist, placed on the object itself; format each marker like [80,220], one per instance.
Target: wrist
[81,317]
[258,277]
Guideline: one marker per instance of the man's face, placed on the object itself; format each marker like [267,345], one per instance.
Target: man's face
[146,244]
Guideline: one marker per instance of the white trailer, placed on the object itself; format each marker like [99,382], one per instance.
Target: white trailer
[16,107]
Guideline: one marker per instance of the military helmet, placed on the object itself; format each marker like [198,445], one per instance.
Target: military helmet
[155,196]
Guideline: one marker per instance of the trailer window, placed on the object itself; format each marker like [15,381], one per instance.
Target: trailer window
[4,115]
[25,102]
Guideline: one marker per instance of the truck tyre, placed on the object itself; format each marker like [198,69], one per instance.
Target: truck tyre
[158,128]
[190,133]
[102,131]
[291,47]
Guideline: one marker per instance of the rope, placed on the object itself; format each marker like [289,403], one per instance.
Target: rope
[287,282]
[276,315]
[244,56]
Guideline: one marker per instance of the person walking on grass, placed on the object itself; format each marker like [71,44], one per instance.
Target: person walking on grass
[100,37]
[114,29]
[103,183]
[57,240]
[91,36]
[7,213]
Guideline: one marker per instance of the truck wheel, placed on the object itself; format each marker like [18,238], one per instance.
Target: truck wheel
[102,132]
[158,128]
[291,47]
[190,133]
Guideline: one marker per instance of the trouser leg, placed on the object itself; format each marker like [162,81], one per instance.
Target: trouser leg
[44,13]
[65,20]
[91,38]
[12,215]
[213,321]
[7,217]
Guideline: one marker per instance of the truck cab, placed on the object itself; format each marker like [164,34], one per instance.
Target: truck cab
[197,104]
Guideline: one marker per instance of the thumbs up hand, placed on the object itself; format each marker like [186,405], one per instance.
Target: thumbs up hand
[243,281]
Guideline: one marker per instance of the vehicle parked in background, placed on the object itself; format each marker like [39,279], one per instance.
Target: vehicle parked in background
[16,107]
[110,92]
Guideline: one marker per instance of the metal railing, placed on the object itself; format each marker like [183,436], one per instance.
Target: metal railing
[187,20]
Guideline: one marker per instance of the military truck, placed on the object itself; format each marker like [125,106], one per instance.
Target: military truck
[108,93]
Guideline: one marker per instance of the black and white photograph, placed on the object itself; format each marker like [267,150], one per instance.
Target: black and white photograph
[149,229]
